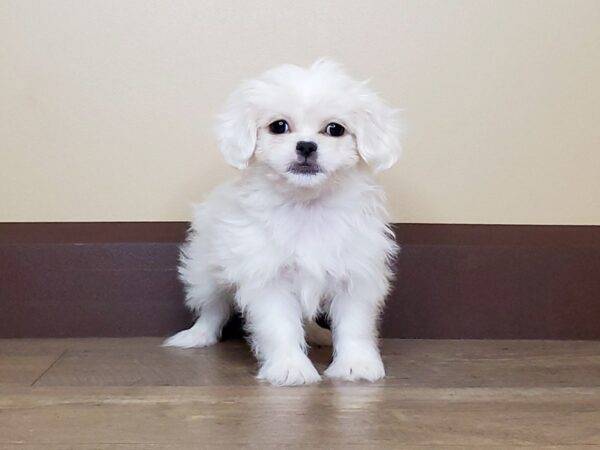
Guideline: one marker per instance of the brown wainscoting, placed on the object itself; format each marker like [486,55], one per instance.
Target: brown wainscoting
[453,281]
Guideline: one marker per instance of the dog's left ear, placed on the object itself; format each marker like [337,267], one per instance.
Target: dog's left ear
[236,128]
[378,133]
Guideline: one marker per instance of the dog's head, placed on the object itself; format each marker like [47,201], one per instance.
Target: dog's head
[307,124]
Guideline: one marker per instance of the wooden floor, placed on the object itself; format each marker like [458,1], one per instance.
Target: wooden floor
[132,394]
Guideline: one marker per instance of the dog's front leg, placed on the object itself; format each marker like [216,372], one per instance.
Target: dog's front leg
[354,317]
[274,318]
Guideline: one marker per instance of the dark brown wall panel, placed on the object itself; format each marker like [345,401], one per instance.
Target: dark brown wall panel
[453,281]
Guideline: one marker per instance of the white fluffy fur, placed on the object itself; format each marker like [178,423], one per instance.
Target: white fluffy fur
[281,246]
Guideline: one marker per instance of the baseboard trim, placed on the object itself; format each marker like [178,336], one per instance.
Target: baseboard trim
[453,281]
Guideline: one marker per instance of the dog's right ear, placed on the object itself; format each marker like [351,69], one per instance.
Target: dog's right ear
[236,127]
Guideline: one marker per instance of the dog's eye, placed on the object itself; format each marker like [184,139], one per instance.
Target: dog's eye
[279,127]
[335,129]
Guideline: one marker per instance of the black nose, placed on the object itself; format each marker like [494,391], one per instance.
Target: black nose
[305,148]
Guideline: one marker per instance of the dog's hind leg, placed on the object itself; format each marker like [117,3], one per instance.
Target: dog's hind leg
[207,329]
[209,301]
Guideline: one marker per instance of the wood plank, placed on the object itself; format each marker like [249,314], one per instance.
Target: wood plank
[196,446]
[312,417]
[132,394]
[143,362]
[24,362]
[488,363]
[410,363]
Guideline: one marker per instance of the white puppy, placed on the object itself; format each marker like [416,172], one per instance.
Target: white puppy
[303,230]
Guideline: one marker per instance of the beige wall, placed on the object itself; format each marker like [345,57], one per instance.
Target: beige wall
[106,106]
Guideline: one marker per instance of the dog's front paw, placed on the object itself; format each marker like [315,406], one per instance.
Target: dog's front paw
[289,371]
[194,337]
[356,367]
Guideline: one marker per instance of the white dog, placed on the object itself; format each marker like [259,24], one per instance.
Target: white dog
[303,230]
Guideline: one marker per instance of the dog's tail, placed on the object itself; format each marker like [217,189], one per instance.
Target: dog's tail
[316,335]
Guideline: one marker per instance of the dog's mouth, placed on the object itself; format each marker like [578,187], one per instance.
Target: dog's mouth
[304,168]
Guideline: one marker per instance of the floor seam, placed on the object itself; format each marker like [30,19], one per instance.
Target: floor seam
[49,367]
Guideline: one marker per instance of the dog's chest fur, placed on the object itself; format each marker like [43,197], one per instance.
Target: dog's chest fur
[321,240]
[251,236]
[310,248]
